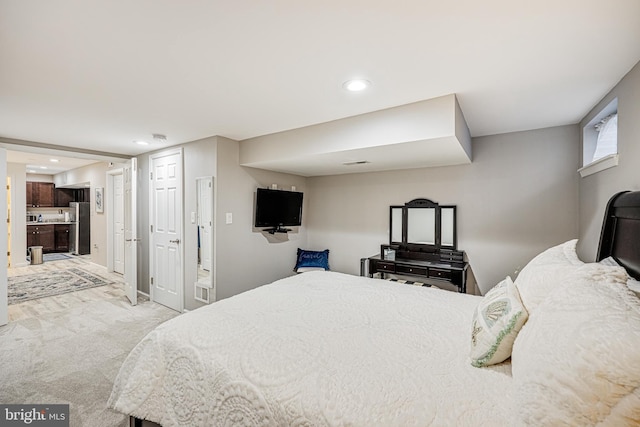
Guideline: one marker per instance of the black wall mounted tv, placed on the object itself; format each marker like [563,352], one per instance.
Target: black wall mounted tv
[278,209]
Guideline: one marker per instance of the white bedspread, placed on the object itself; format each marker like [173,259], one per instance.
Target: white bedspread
[317,349]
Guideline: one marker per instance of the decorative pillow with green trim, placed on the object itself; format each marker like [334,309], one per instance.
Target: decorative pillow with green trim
[496,323]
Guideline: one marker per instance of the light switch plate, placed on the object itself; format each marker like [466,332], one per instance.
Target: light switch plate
[193,217]
[229,218]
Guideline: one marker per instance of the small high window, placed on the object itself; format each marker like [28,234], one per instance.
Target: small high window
[600,141]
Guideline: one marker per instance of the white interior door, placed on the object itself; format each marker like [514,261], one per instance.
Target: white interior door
[206,223]
[118,223]
[130,231]
[166,261]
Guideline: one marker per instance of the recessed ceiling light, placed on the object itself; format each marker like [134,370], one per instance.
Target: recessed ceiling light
[356,85]
[31,171]
[141,142]
[43,167]
[54,160]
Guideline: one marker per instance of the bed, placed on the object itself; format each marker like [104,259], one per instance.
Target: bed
[330,349]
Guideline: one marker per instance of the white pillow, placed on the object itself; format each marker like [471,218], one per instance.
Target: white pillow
[577,360]
[546,272]
[496,322]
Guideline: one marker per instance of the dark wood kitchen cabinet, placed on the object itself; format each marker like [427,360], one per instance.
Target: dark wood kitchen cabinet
[40,194]
[42,235]
[64,196]
[62,237]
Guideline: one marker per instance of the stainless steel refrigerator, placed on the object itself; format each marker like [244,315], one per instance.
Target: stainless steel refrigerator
[80,228]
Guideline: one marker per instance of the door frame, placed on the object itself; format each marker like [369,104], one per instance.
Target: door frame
[110,215]
[181,287]
[4,303]
[130,237]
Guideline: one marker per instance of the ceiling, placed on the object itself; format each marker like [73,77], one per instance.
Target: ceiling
[99,75]
[46,164]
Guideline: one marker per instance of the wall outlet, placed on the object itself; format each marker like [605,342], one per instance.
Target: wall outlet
[274,186]
[229,218]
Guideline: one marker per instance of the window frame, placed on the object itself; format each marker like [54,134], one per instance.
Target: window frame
[590,143]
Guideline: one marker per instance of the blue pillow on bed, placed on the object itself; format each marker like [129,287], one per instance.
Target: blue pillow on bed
[312,260]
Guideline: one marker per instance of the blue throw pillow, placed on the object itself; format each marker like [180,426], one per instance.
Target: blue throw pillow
[312,259]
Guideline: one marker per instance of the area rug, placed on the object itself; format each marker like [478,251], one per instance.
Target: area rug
[34,286]
[51,257]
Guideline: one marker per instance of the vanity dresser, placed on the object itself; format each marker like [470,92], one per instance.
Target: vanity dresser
[422,245]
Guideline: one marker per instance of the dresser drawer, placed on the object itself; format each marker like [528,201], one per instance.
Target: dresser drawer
[385,266]
[421,271]
[438,273]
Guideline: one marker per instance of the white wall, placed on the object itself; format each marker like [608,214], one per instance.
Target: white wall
[430,119]
[17,173]
[37,177]
[518,197]
[597,189]
[96,174]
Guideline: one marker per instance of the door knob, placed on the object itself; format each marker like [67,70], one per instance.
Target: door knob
[132,240]
[175,241]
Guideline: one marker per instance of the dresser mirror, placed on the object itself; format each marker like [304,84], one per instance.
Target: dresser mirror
[395,231]
[204,226]
[448,227]
[423,225]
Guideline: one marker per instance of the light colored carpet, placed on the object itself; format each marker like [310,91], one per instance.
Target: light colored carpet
[72,353]
[32,286]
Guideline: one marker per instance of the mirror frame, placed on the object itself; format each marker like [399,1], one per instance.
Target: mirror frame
[422,204]
[210,283]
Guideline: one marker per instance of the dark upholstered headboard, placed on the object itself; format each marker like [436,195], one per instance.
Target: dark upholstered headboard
[620,237]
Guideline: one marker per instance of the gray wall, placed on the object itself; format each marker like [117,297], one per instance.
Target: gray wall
[244,258]
[517,198]
[595,190]
[247,258]
[199,159]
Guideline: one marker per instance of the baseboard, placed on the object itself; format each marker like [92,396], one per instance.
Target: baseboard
[20,264]
[144,294]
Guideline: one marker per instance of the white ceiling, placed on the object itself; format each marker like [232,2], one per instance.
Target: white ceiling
[98,75]
[45,164]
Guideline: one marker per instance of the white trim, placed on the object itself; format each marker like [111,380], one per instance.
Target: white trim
[144,294]
[590,134]
[599,165]
[4,303]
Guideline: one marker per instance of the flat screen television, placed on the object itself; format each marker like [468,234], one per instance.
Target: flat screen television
[278,208]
